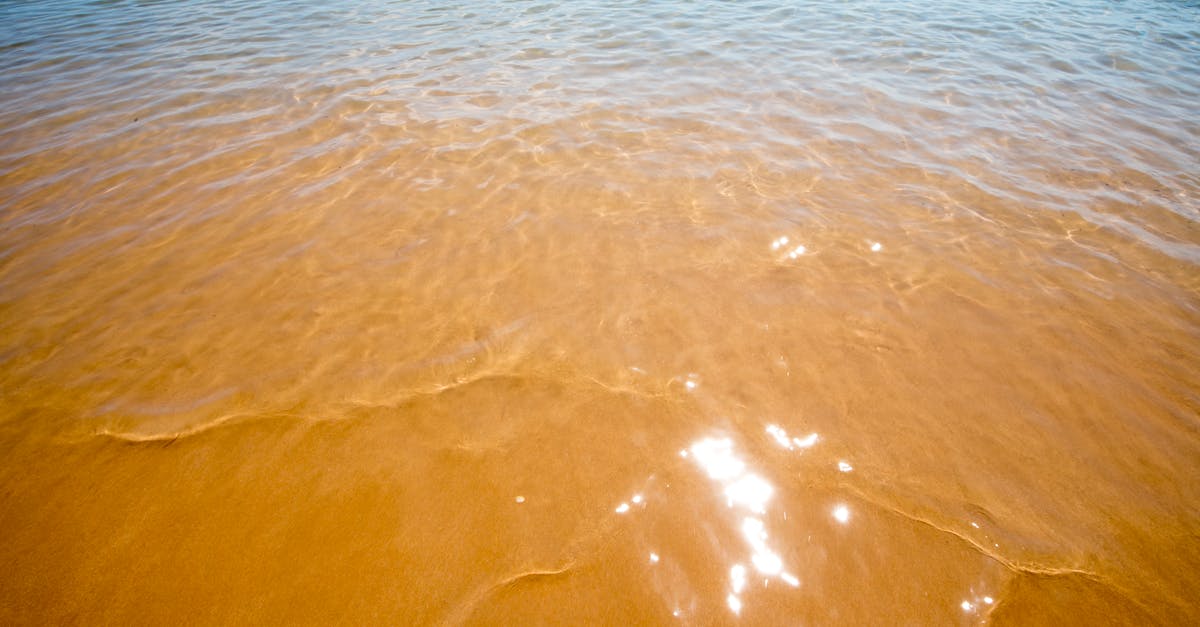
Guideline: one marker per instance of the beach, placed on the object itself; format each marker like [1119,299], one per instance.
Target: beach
[833,313]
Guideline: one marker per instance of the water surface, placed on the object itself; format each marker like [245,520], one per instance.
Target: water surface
[581,312]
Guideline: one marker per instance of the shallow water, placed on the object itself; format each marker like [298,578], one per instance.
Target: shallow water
[428,312]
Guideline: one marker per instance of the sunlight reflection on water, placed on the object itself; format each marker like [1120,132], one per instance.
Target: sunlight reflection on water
[747,494]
